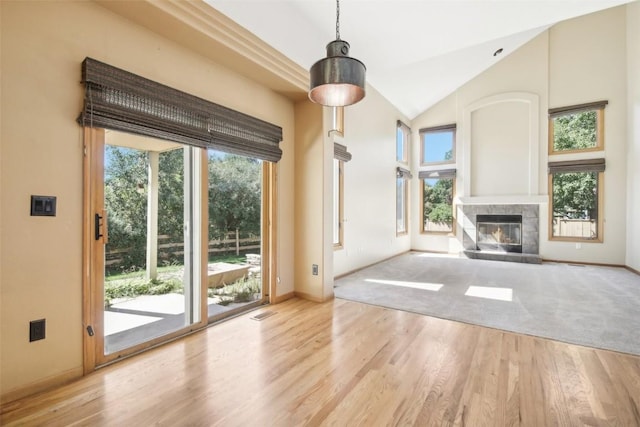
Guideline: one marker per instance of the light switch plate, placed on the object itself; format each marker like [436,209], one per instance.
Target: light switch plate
[43,206]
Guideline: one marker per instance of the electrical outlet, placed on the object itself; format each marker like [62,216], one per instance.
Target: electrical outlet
[37,330]
[578,245]
[314,269]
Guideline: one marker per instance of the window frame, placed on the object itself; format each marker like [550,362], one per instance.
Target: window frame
[579,166]
[598,107]
[423,176]
[438,129]
[405,131]
[339,199]
[342,156]
[404,176]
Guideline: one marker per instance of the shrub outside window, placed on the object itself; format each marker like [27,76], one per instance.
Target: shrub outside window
[577,128]
[438,145]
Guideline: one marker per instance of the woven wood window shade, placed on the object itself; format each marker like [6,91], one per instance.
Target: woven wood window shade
[451,127]
[340,152]
[438,174]
[403,173]
[574,109]
[119,100]
[404,126]
[586,165]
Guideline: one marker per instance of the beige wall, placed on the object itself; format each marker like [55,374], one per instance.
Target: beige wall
[507,88]
[309,200]
[576,61]
[633,135]
[42,47]
[499,155]
[587,62]
[370,185]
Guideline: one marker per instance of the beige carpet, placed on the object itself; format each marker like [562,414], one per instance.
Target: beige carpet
[586,305]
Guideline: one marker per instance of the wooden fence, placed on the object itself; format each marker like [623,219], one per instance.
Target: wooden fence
[583,228]
[169,249]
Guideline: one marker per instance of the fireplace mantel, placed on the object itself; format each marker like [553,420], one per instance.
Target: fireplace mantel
[503,200]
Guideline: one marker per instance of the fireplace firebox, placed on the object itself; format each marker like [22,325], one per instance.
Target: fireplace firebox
[499,233]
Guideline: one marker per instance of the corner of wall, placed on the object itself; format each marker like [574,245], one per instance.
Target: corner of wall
[633,135]
[308,201]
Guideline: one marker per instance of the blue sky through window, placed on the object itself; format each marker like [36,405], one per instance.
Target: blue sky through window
[436,145]
[400,145]
[431,182]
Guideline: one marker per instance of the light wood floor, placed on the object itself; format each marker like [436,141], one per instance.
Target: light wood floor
[346,363]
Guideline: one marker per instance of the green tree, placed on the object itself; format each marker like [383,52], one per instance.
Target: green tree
[126,204]
[575,131]
[574,194]
[234,194]
[438,199]
[234,199]
[448,155]
[171,194]
[126,186]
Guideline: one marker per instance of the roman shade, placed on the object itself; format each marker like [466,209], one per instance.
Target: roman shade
[403,173]
[340,152]
[572,109]
[401,124]
[585,165]
[119,100]
[451,127]
[438,174]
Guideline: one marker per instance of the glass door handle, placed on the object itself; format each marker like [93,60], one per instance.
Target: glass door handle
[100,224]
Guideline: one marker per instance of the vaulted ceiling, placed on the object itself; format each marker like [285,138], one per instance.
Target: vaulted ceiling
[416,52]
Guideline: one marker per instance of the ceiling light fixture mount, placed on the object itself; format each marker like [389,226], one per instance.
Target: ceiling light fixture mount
[337,80]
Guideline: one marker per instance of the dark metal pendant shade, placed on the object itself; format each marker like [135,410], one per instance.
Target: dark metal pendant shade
[337,80]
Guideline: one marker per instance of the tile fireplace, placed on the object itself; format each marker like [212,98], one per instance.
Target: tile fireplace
[505,232]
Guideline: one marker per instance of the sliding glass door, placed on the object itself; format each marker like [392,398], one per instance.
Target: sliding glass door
[178,236]
[147,239]
[150,281]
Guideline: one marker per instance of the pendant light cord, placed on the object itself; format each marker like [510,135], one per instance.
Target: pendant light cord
[337,19]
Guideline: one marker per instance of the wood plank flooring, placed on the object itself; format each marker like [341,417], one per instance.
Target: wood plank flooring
[346,363]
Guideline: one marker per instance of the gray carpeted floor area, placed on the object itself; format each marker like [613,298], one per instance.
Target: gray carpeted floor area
[587,305]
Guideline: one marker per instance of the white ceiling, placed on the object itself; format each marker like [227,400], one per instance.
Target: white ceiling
[416,52]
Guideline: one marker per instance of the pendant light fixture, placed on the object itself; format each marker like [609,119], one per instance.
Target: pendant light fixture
[337,80]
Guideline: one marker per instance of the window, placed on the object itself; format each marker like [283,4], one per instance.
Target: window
[577,128]
[575,187]
[403,136]
[438,145]
[402,196]
[438,189]
[338,189]
[340,157]
[576,205]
